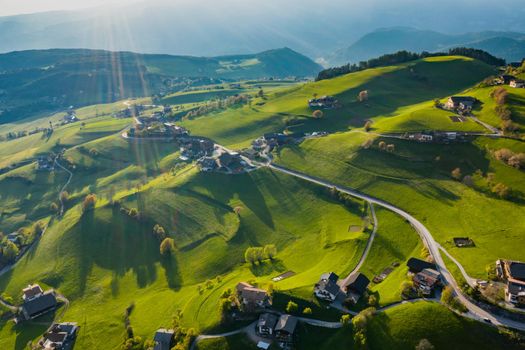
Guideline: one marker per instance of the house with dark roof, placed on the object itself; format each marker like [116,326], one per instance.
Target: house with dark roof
[327,287]
[356,286]
[285,329]
[61,336]
[163,339]
[504,79]
[513,273]
[416,265]
[252,298]
[426,280]
[266,325]
[39,305]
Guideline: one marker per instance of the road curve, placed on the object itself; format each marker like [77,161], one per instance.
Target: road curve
[474,311]
[356,269]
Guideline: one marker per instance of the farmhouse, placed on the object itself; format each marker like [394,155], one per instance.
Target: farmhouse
[251,297]
[39,305]
[426,280]
[325,102]
[327,287]
[462,242]
[517,83]
[163,339]
[356,287]
[463,103]
[417,265]
[504,79]
[61,336]
[513,272]
[266,324]
[285,330]
[278,139]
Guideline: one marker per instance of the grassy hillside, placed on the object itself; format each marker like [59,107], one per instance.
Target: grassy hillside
[36,81]
[416,177]
[399,99]
[104,261]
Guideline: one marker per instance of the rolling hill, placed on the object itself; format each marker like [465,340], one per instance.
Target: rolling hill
[507,45]
[36,81]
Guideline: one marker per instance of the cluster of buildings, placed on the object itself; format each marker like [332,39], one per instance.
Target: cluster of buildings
[69,117]
[195,147]
[131,111]
[225,162]
[156,125]
[435,136]
[281,328]
[513,274]
[324,102]
[424,276]
[461,104]
[510,80]
[45,163]
[329,289]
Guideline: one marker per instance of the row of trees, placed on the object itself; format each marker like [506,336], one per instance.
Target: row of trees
[218,105]
[499,189]
[406,56]
[258,254]
[500,96]
[516,160]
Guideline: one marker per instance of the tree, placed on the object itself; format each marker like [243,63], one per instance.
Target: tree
[407,289]
[249,255]
[159,232]
[260,93]
[382,145]
[448,298]
[368,125]
[292,307]
[307,311]
[345,320]
[437,103]
[424,344]
[89,202]
[270,251]
[391,148]
[258,253]
[501,190]
[503,154]
[317,114]
[167,246]
[64,196]
[38,228]
[9,252]
[372,300]
[456,174]
[54,207]
[362,96]
[133,213]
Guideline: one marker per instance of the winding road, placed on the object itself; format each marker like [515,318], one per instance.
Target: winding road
[63,187]
[474,311]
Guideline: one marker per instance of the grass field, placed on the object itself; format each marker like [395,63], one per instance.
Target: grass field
[105,261]
[393,98]
[416,177]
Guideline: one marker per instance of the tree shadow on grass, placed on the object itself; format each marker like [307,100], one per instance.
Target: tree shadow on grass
[267,267]
[27,331]
[111,240]
[171,271]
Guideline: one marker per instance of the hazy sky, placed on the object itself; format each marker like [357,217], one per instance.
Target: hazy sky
[13,7]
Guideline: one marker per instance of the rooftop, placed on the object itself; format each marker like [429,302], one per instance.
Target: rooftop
[358,283]
[286,323]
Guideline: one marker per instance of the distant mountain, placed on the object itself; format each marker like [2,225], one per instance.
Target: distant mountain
[212,28]
[507,45]
[39,80]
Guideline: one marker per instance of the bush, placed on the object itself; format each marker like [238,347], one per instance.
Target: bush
[307,311]
[317,114]
[292,307]
[167,246]
[501,190]
[159,232]
[89,202]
